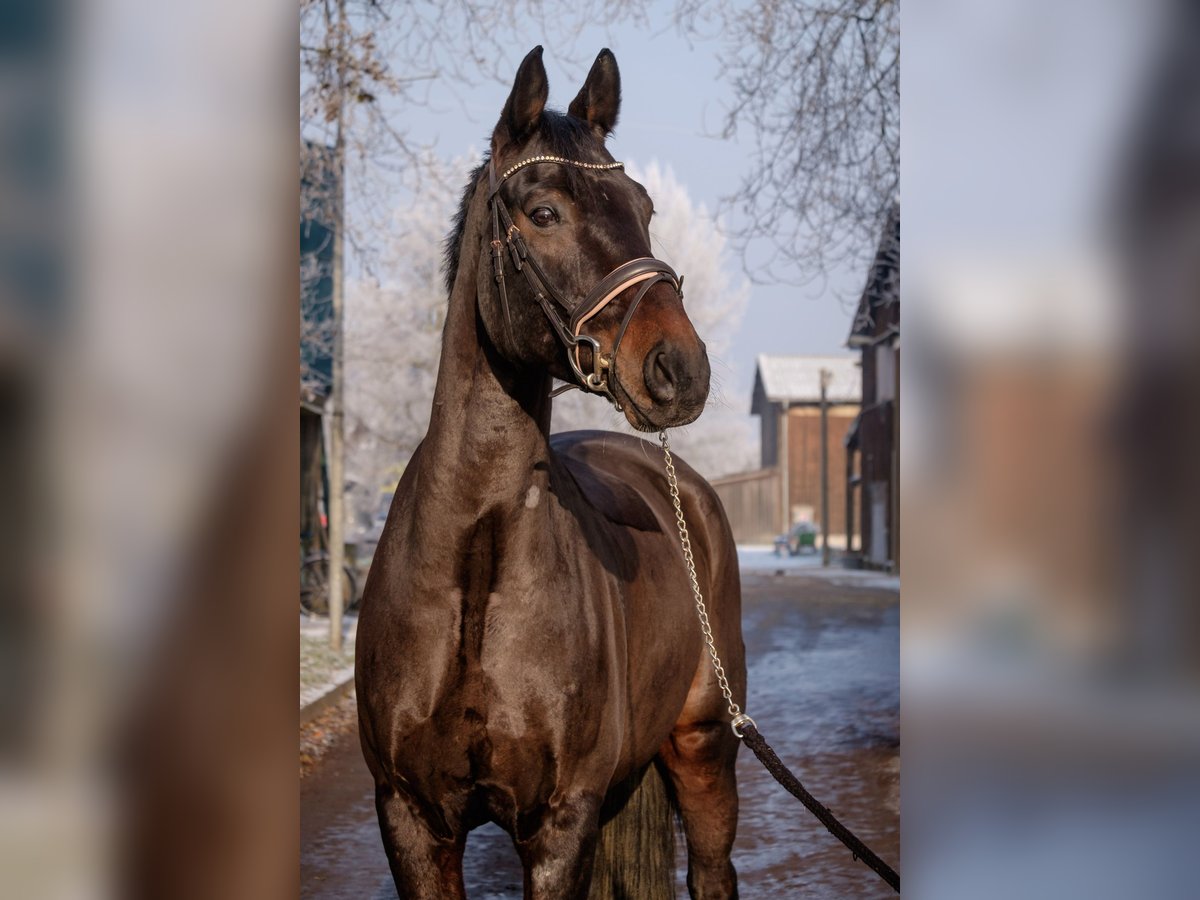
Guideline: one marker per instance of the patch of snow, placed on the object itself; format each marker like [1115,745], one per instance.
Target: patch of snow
[761,559]
[317,691]
[318,626]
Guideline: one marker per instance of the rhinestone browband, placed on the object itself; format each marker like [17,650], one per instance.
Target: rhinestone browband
[558,159]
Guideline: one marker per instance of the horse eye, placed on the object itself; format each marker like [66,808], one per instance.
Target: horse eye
[543,216]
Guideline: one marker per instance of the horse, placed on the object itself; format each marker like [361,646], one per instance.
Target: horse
[528,650]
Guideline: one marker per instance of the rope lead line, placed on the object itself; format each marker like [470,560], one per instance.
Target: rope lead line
[756,742]
[743,726]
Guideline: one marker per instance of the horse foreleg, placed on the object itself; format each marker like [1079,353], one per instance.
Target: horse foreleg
[558,857]
[423,865]
[700,756]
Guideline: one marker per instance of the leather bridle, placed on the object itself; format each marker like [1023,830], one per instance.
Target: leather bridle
[644,271]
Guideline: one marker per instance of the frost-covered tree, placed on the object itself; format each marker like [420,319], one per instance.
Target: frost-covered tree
[815,87]
[366,64]
[394,321]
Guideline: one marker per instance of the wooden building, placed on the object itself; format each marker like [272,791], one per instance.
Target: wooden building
[787,398]
[872,460]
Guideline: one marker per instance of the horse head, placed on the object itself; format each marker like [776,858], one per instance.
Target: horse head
[594,308]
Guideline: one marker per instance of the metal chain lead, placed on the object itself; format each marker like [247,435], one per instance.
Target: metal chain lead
[755,740]
[738,717]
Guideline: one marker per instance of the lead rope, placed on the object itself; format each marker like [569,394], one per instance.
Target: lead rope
[735,712]
[744,726]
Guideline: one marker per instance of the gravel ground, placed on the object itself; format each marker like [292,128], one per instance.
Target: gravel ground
[316,737]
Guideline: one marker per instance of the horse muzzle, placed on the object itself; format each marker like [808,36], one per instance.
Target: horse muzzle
[675,383]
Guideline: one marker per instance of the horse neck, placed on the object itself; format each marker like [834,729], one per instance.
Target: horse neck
[488,438]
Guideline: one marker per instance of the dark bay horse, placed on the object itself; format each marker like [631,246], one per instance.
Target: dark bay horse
[528,648]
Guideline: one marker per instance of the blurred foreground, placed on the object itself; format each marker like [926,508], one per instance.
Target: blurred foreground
[1051,688]
[1051,427]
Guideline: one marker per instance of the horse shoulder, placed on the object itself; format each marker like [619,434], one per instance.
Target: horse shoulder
[612,497]
[630,474]
[620,472]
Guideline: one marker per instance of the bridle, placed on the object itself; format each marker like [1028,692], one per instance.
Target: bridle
[645,271]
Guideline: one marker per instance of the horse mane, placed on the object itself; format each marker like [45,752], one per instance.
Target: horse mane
[561,135]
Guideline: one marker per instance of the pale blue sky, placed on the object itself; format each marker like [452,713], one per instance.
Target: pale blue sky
[672,97]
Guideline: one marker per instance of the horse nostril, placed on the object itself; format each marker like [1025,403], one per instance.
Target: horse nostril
[660,375]
[662,370]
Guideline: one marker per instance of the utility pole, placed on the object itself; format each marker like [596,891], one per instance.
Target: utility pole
[785,497]
[337,479]
[849,501]
[824,469]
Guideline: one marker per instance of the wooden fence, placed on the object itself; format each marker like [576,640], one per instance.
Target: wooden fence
[751,501]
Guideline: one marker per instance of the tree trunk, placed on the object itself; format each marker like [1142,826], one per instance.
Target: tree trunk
[824,470]
[337,450]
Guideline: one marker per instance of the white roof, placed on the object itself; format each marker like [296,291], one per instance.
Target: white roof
[1006,306]
[797,379]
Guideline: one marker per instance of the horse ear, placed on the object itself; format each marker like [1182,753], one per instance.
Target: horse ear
[525,104]
[599,100]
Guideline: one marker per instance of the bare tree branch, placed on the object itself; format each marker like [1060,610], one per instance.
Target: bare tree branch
[817,86]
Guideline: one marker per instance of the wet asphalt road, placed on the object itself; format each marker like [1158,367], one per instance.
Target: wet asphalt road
[824,658]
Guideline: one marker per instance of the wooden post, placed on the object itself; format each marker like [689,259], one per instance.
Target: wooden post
[337,478]
[824,469]
[785,468]
[894,512]
[849,501]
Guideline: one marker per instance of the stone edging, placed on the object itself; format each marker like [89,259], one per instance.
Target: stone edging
[342,688]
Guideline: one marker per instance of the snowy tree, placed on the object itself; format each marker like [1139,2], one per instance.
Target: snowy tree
[688,237]
[394,322]
[816,85]
[366,64]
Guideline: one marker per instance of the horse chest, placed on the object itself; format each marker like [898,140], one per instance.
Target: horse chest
[522,598]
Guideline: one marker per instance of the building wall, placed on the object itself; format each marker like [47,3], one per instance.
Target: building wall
[877,463]
[804,455]
[751,502]
[878,501]
[769,440]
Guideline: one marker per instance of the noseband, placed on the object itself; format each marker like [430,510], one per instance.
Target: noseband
[645,271]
